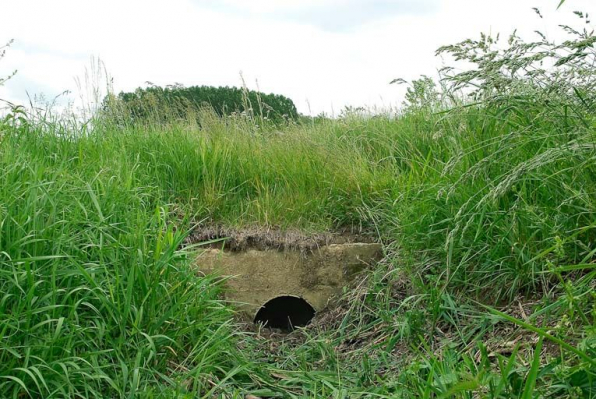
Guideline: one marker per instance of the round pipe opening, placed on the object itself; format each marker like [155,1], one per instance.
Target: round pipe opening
[285,312]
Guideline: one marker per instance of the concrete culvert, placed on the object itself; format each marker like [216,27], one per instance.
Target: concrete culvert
[307,275]
[285,312]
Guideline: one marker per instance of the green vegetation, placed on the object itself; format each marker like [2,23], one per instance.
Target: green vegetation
[484,193]
[177,102]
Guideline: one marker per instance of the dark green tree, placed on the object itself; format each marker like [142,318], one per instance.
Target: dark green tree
[177,101]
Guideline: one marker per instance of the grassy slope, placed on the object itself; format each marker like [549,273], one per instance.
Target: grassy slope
[482,204]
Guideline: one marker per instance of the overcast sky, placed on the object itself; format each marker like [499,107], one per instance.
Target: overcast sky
[324,54]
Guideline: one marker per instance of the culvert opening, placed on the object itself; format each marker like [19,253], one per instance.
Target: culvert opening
[285,312]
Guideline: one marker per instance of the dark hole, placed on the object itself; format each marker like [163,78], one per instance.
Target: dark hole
[285,312]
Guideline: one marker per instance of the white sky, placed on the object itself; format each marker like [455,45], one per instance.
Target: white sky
[324,54]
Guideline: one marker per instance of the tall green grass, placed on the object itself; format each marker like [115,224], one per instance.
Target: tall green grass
[486,207]
[97,298]
[478,204]
[296,178]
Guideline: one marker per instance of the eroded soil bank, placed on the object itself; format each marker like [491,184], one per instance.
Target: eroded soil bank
[259,238]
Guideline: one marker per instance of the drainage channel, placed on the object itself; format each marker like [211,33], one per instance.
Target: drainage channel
[285,313]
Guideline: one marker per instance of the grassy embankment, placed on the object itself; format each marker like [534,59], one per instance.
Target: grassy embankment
[485,206]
